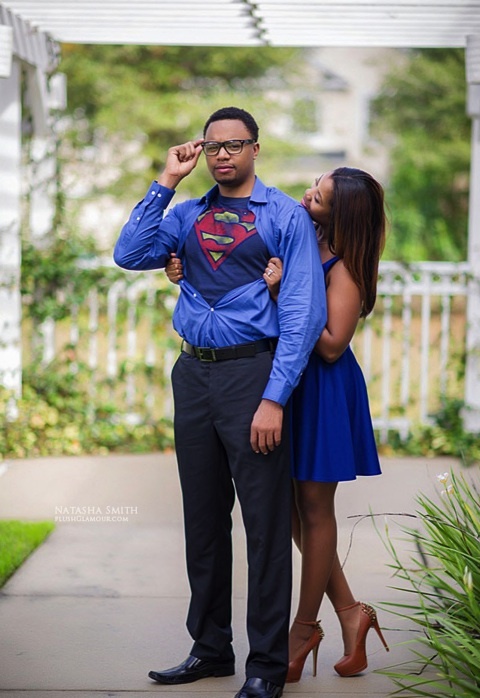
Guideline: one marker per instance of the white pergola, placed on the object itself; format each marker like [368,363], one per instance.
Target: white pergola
[30,32]
[398,23]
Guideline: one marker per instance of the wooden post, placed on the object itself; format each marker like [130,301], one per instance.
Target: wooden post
[10,249]
[472,371]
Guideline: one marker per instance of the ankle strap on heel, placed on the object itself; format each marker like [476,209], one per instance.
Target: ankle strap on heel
[312,623]
[368,610]
[348,608]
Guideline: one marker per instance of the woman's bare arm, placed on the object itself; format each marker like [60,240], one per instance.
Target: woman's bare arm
[343,313]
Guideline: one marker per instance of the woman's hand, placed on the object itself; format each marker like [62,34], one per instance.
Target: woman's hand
[273,276]
[174,269]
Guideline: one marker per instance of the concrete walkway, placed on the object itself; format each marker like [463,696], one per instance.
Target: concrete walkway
[104,600]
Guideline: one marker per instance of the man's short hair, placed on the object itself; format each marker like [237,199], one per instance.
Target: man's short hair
[234,113]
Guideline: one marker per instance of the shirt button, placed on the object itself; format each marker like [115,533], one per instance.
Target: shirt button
[159,195]
[138,218]
[194,295]
[152,193]
[211,310]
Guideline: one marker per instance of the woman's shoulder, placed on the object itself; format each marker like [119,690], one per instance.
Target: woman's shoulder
[337,273]
[329,263]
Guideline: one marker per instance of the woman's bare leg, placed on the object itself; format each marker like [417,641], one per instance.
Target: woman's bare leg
[318,543]
[296,527]
[341,597]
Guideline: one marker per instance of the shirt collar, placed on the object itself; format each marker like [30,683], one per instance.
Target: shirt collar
[259,193]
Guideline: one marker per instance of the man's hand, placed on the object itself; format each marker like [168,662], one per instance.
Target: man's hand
[181,160]
[266,430]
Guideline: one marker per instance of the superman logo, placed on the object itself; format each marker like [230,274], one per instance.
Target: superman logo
[220,232]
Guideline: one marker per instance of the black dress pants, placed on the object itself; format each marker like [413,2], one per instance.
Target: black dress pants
[214,407]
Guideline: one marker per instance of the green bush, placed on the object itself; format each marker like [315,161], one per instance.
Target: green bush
[445,436]
[444,583]
[17,541]
[58,415]
[66,408]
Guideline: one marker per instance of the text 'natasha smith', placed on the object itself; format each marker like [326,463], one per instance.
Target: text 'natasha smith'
[95,511]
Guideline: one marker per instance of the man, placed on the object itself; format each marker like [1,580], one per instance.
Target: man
[241,358]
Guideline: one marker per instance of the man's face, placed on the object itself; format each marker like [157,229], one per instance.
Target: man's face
[231,171]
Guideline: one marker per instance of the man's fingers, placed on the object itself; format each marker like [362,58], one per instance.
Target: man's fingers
[264,442]
[254,440]
[265,432]
[273,439]
[189,151]
[258,442]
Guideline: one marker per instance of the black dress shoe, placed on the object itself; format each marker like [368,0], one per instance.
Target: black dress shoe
[259,688]
[193,669]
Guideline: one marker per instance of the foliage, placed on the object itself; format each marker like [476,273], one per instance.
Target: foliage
[65,408]
[58,415]
[98,73]
[18,540]
[444,584]
[445,436]
[158,96]
[421,110]
[52,280]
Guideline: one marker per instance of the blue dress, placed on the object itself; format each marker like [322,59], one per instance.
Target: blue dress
[332,432]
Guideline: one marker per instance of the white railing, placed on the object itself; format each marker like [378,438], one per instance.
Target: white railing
[410,348]
[420,327]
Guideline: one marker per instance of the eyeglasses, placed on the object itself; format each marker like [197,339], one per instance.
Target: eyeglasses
[233,147]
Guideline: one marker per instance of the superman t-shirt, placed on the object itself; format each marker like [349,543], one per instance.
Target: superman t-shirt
[224,250]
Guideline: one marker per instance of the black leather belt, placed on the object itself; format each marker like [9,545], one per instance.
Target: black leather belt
[237,351]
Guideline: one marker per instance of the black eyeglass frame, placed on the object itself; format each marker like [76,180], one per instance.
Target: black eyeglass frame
[225,145]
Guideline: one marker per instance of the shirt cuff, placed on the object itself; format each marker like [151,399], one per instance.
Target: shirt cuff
[159,195]
[277,391]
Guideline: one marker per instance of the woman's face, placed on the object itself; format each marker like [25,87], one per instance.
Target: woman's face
[318,199]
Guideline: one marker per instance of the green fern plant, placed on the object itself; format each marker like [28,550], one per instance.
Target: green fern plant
[443,582]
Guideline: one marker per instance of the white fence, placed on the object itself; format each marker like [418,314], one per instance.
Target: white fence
[411,348]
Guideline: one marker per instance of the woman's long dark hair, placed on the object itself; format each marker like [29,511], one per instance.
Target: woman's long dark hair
[356,230]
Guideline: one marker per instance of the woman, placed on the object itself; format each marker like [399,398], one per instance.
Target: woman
[332,433]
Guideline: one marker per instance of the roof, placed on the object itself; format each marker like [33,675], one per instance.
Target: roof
[390,23]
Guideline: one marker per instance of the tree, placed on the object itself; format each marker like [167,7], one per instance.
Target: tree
[421,110]
[160,95]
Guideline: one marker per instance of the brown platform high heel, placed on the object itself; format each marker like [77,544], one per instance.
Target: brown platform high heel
[356,662]
[295,666]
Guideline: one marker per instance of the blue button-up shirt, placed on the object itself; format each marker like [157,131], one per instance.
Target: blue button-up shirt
[246,313]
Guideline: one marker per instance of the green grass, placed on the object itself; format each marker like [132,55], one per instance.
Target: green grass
[18,540]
